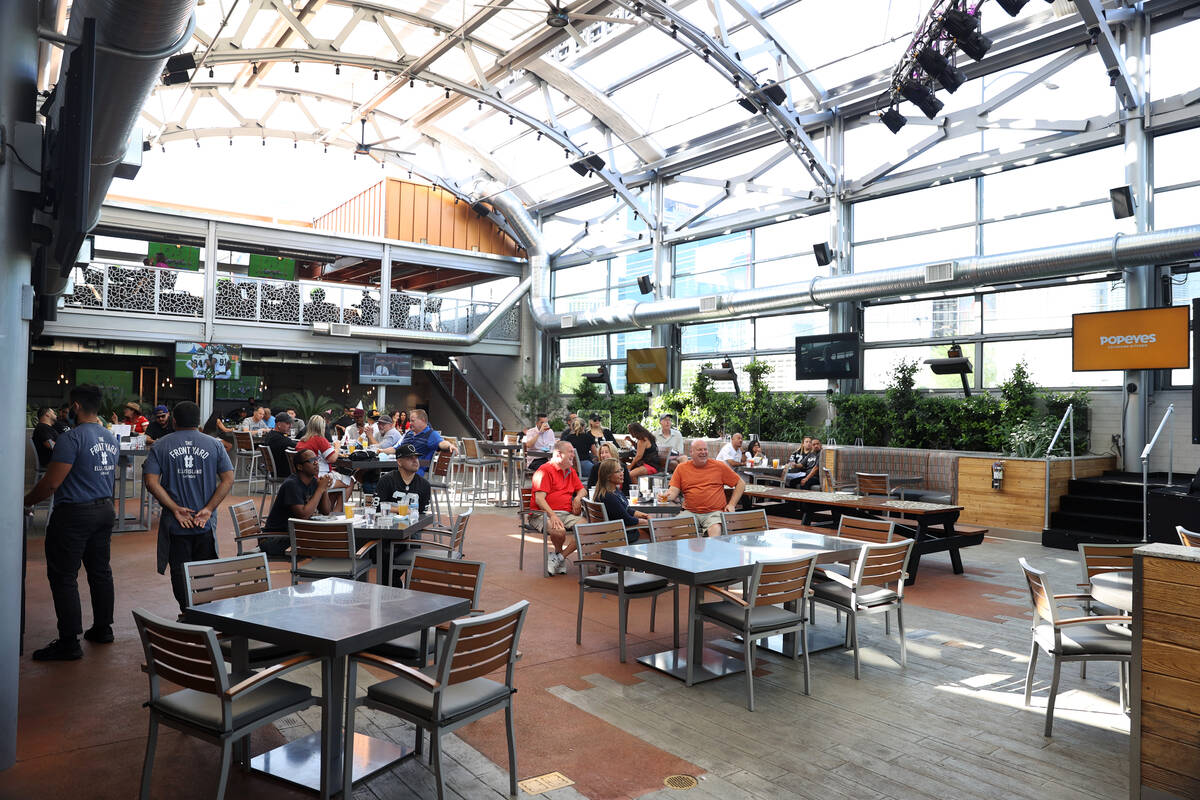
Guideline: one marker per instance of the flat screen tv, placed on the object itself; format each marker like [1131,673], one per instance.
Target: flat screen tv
[646,365]
[832,356]
[385,369]
[206,360]
[1143,338]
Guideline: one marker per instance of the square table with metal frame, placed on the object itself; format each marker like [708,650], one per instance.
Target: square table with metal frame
[128,460]
[718,560]
[365,530]
[512,470]
[333,618]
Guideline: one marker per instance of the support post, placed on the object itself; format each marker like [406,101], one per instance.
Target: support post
[664,276]
[211,264]
[18,86]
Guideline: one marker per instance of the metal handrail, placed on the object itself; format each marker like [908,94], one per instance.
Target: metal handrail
[1166,420]
[1068,415]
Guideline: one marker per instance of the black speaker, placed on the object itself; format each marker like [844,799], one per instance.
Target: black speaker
[1122,202]
[822,253]
[645,286]
[481,209]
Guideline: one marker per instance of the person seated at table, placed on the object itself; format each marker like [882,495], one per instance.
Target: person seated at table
[670,440]
[702,481]
[280,441]
[256,421]
[314,441]
[404,485]
[570,424]
[805,472]
[301,495]
[131,415]
[356,430]
[539,443]
[609,490]
[388,438]
[731,452]
[297,423]
[160,426]
[645,460]
[581,440]
[610,450]
[44,435]
[216,428]
[558,492]
[755,457]
[402,423]
[422,436]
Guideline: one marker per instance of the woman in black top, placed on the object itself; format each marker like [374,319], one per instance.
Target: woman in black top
[599,435]
[608,491]
[582,441]
[645,460]
[609,450]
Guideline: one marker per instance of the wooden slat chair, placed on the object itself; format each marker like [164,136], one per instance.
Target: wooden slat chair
[440,483]
[247,528]
[594,576]
[594,512]
[246,458]
[1096,559]
[450,578]
[219,578]
[872,531]
[457,692]
[875,585]
[480,467]
[1086,638]
[744,521]
[665,529]
[871,484]
[829,484]
[530,522]
[210,706]
[444,542]
[772,604]
[1187,538]
[326,550]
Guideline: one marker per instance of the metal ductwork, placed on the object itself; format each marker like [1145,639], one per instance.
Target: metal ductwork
[432,338]
[1117,252]
[133,39]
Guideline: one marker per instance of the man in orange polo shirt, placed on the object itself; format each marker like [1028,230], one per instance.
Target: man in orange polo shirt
[558,492]
[702,483]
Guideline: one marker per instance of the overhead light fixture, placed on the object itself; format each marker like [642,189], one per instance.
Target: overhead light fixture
[775,93]
[210,72]
[964,28]
[940,69]
[296,66]
[337,69]
[725,372]
[1122,202]
[894,119]
[823,253]
[178,68]
[1013,7]
[645,285]
[481,209]
[922,97]
[254,67]
[600,376]
[748,104]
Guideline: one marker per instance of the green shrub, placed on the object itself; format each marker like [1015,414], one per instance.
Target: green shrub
[860,416]
[536,398]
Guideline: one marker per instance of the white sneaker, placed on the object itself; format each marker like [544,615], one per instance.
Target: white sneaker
[552,564]
[561,569]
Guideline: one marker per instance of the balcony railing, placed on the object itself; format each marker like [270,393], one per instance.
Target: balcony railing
[169,292]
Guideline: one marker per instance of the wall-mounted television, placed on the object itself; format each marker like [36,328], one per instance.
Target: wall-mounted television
[832,356]
[385,369]
[646,365]
[206,360]
[1144,338]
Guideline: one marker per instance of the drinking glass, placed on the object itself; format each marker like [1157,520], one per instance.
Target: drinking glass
[349,509]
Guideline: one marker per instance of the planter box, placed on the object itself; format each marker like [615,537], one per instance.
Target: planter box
[1020,501]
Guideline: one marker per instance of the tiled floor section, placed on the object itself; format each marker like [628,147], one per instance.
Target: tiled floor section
[950,726]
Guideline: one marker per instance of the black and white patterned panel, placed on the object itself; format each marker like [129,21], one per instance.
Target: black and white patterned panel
[236,299]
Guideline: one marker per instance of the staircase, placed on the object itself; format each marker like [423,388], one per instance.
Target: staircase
[1106,509]
[472,409]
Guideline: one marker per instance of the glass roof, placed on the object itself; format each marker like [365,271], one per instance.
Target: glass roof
[477,90]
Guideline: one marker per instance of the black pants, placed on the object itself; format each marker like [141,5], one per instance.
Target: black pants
[201,547]
[80,533]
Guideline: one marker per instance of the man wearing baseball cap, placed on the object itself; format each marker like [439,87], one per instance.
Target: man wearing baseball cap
[160,426]
[403,484]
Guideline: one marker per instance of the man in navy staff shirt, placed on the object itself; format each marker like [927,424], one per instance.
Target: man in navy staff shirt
[189,473]
[80,476]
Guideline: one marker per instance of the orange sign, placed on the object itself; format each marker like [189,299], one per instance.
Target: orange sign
[1151,338]
[647,365]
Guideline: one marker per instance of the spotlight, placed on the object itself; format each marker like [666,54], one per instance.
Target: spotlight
[748,104]
[146,145]
[1013,7]
[940,69]
[296,66]
[481,105]
[894,119]
[1122,202]
[411,82]
[510,119]
[594,162]
[337,69]
[177,68]
[580,168]
[922,97]
[645,285]
[254,67]
[823,253]
[210,72]
[775,93]
[480,208]
[447,93]
[965,30]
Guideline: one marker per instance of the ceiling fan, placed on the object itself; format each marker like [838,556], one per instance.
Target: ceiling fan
[557,15]
[362,148]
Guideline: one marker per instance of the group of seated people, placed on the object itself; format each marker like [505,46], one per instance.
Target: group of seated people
[591,438]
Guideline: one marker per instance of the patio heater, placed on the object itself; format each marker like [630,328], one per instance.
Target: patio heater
[725,372]
[600,376]
[955,363]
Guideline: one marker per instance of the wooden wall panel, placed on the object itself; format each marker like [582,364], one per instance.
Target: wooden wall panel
[407,212]
[1019,503]
[420,224]
[433,230]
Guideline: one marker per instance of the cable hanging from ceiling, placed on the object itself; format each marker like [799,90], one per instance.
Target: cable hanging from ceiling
[929,60]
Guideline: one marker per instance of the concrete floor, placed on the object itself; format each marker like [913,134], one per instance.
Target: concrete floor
[951,725]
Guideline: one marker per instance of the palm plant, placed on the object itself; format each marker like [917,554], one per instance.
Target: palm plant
[305,402]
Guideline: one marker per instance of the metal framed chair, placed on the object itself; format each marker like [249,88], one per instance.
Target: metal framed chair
[447,542]
[530,522]
[440,482]
[1086,638]
[594,512]
[327,550]
[1187,538]
[219,578]
[451,578]
[211,706]
[270,476]
[871,484]
[829,484]
[744,521]
[591,539]
[875,586]
[480,467]
[664,529]
[457,692]
[247,528]
[758,613]
[875,531]
[246,458]
[1096,559]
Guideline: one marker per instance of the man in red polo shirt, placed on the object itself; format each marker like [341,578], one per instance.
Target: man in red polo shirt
[558,492]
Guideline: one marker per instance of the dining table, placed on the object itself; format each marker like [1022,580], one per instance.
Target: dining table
[389,534]
[332,618]
[1114,589]
[720,560]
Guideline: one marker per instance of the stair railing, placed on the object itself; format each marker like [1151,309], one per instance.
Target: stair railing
[1170,425]
[1068,416]
[475,404]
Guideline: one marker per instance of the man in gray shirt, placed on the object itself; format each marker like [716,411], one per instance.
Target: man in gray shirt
[80,476]
[669,439]
[189,473]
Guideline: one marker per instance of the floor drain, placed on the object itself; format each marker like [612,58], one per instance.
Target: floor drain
[680,782]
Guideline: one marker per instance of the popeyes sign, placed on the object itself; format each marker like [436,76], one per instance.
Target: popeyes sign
[1152,338]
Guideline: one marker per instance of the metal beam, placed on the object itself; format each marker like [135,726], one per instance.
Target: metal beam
[1110,52]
